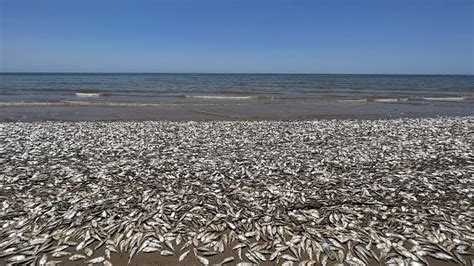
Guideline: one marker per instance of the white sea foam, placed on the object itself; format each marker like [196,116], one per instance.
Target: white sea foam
[96,104]
[219,97]
[444,98]
[353,101]
[390,100]
[381,100]
[88,94]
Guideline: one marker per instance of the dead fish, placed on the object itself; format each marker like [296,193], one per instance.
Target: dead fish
[274,255]
[289,257]
[328,251]
[441,256]
[209,253]
[107,253]
[16,258]
[259,255]
[149,249]
[96,260]
[166,253]
[251,257]
[77,257]
[60,254]
[240,245]
[184,255]
[227,260]
[43,260]
[88,252]
[202,260]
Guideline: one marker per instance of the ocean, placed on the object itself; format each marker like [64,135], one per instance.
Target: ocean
[179,88]
[49,96]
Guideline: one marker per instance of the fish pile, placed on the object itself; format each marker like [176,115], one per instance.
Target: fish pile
[359,192]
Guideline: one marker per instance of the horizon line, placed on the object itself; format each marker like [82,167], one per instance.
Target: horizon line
[235,73]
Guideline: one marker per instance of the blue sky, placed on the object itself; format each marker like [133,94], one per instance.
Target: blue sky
[279,36]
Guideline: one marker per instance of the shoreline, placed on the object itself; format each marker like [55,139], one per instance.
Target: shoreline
[352,191]
[241,111]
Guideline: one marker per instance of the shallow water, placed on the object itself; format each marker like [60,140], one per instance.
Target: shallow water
[197,87]
[73,96]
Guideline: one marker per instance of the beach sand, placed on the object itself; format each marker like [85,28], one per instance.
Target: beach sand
[396,190]
[218,110]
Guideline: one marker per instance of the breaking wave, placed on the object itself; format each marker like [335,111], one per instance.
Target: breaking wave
[390,100]
[450,99]
[88,94]
[220,97]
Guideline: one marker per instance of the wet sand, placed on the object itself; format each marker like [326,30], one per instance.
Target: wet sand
[209,111]
[155,259]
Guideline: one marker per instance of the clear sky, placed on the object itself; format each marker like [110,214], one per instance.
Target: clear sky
[272,36]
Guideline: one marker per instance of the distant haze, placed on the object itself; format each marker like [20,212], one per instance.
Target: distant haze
[353,36]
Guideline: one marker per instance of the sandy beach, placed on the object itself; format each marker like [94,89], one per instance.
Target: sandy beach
[313,192]
[226,110]
[205,132]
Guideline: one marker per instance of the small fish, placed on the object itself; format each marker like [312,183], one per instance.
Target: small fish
[259,255]
[209,253]
[251,258]
[77,257]
[60,254]
[441,256]
[166,253]
[96,260]
[289,257]
[16,258]
[60,248]
[150,249]
[88,252]
[227,260]
[274,255]
[107,253]
[328,251]
[43,260]
[240,245]
[184,255]
[202,260]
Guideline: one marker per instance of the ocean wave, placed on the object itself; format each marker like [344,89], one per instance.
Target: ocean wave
[380,100]
[94,104]
[352,101]
[394,100]
[220,97]
[81,103]
[450,99]
[390,100]
[88,94]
